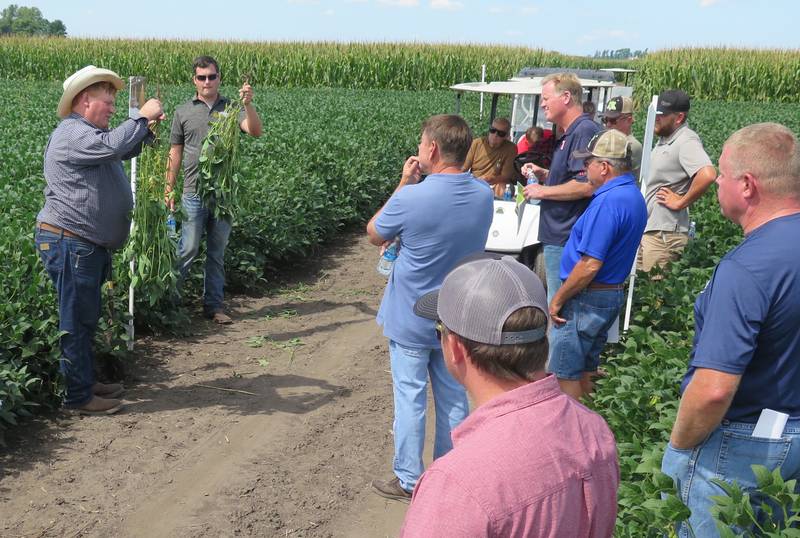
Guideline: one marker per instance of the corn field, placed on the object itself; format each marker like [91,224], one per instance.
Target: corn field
[764,76]
[287,65]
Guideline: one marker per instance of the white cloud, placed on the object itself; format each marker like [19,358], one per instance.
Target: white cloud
[605,34]
[451,5]
[399,3]
[328,12]
[303,2]
[707,3]
[499,10]
[530,10]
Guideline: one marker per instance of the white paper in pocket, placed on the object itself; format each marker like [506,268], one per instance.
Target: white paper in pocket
[770,424]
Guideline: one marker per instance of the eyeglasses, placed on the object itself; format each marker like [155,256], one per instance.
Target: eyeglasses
[439,329]
[498,132]
[613,121]
[202,78]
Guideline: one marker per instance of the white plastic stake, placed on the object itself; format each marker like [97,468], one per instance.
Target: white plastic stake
[647,148]
[483,79]
[136,93]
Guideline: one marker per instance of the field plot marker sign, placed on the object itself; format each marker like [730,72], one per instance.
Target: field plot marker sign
[135,101]
[647,148]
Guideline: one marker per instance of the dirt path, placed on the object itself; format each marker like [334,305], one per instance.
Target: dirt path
[273,426]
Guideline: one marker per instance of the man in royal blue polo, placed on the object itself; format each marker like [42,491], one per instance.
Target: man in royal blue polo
[438,222]
[565,193]
[597,258]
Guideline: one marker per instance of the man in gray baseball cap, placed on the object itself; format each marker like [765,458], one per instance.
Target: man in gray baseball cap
[526,445]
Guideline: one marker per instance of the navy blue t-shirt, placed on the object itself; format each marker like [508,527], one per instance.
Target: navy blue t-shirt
[557,218]
[609,230]
[747,321]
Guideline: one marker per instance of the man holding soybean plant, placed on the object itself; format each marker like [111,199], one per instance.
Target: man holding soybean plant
[740,403]
[86,216]
[189,129]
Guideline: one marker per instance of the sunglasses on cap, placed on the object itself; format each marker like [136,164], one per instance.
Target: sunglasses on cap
[439,329]
[202,78]
[498,132]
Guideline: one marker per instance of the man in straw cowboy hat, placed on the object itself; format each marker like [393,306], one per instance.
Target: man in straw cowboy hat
[86,215]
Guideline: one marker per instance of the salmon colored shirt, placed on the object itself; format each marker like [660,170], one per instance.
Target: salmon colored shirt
[531,462]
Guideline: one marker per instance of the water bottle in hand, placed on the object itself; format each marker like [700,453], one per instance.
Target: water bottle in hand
[388,258]
[171,225]
[531,180]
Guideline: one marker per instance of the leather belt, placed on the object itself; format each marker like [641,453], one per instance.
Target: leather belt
[604,286]
[56,230]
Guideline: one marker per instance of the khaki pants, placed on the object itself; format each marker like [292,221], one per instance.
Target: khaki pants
[660,248]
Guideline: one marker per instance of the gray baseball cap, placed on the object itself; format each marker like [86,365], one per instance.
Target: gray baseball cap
[479,294]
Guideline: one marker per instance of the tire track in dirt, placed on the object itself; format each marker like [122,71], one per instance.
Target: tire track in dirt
[189,459]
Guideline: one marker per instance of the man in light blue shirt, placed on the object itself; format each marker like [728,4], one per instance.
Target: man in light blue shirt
[438,221]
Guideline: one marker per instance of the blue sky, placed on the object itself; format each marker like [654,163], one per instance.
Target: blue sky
[573,27]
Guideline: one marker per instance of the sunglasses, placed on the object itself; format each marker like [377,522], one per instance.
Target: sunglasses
[439,329]
[610,121]
[202,78]
[498,132]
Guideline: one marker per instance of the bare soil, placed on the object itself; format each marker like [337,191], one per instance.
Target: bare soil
[272,426]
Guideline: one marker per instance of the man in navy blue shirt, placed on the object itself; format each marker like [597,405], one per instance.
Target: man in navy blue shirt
[744,357]
[438,221]
[597,258]
[565,193]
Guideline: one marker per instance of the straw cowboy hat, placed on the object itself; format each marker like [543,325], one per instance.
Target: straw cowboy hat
[80,80]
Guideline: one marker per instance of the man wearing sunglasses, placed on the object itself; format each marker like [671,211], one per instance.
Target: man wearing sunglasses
[618,115]
[597,259]
[491,157]
[529,460]
[438,222]
[189,129]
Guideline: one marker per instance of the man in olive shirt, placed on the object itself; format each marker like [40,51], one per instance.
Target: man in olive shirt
[491,158]
[680,172]
[189,129]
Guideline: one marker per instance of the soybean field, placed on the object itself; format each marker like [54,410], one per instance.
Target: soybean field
[328,159]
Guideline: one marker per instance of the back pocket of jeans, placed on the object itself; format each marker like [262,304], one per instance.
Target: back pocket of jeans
[738,452]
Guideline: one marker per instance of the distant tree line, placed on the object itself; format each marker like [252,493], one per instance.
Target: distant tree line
[16,20]
[619,54]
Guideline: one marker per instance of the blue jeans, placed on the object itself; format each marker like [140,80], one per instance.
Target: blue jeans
[552,266]
[727,454]
[199,220]
[410,369]
[78,269]
[575,346]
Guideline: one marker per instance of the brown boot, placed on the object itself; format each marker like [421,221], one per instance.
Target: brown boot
[108,390]
[96,406]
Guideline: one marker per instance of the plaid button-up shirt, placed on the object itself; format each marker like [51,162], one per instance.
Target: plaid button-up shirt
[87,189]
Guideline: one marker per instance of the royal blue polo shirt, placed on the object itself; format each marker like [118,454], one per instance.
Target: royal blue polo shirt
[557,218]
[609,230]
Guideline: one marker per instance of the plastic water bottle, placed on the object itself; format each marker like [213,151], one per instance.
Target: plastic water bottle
[171,231]
[531,180]
[388,258]
[508,195]
[692,230]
